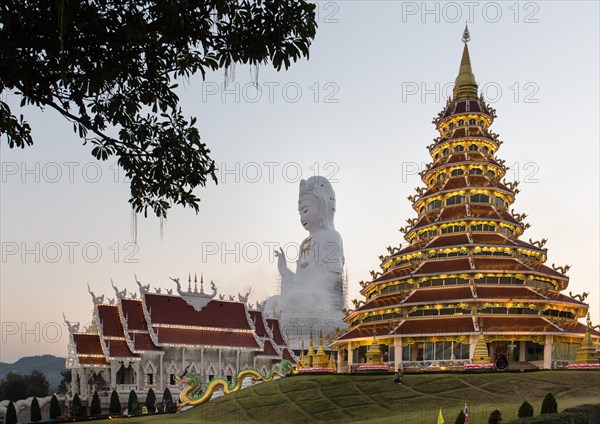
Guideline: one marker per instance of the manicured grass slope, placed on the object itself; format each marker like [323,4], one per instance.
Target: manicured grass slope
[377,399]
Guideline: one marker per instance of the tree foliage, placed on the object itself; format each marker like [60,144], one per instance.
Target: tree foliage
[36,413]
[55,410]
[167,396]
[11,414]
[151,401]
[132,403]
[115,403]
[16,386]
[95,407]
[76,407]
[525,410]
[495,417]
[109,67]
[65,379]
[460,419]
[549,405]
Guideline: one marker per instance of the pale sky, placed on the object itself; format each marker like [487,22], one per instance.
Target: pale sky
[358,111]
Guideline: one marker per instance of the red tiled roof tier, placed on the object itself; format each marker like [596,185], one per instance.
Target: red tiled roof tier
[92,361]
[486,292]
[449,240]
[193,337]
[577,327]
[443,326]
[276,330]
[259,323]
[368,330]
[439,294]
[529,325]
[287,355]
[394,274]
[142,341]
[174,310]
[490,238]
[268,350]
[88,344]
[383,301]
[134,314]
[499,264]
[119,349]
[111,321]
[444,266]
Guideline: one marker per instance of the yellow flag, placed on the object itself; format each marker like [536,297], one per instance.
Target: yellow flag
[440,418]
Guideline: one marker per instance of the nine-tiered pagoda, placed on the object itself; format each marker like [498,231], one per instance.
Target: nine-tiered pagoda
[466,290]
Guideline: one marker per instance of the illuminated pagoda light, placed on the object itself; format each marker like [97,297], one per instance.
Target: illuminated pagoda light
[465,265]
[137,342]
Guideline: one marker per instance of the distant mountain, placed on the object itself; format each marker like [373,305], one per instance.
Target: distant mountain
[48,364]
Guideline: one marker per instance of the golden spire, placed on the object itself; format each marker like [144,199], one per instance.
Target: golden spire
[465,86]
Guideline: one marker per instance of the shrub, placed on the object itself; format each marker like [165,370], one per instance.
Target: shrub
[151,401]
[55,410]
[76,407]
[115,403]
[525,410]
[549,405]
[495,417]
[167,396]
[461,418]
[95,407]
[132,403]
[36,414]
[11,414]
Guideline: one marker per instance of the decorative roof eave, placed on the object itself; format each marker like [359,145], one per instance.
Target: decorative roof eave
[148,319]
[130,342]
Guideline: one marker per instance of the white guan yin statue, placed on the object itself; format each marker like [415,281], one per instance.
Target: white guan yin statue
[312,298]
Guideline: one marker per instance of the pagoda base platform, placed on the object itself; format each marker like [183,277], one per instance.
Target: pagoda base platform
[316,370]
[370,368]
[489,366]
[584,366]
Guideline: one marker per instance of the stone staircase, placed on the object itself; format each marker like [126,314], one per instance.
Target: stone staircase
[521,366]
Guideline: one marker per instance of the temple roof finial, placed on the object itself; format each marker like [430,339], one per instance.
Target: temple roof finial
[465,86]
[466,36]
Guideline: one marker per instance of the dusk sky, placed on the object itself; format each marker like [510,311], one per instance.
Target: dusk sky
[358,112]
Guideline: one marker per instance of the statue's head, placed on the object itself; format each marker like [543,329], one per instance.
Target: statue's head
[316,204]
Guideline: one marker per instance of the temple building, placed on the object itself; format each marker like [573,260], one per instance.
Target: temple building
[137,342]
[466,290]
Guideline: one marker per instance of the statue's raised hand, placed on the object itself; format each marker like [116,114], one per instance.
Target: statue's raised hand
[281,262]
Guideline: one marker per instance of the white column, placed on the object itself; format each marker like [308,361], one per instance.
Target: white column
[113,374]
[203,371]
[522,350]
[237,361]
[220,370]
[139,372]
[350,357]
[182,359]
[548,353]
[162,374]
[398,353]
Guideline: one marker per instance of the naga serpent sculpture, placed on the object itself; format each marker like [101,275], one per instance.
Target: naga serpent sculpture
[192,394]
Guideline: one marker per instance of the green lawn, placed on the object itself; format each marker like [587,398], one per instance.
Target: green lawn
[377,399]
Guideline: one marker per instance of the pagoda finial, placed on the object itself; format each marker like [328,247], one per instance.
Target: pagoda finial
[465,86]
[466,36]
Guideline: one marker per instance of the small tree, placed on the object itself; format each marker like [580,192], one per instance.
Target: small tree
[151,401]
[495,417]
[76,407]
[525,410]
[461,418]
[95,407]
[132,403]
[115,403]
[36,414]
[549,405]
[11,414]
[55,411]
[167,396]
